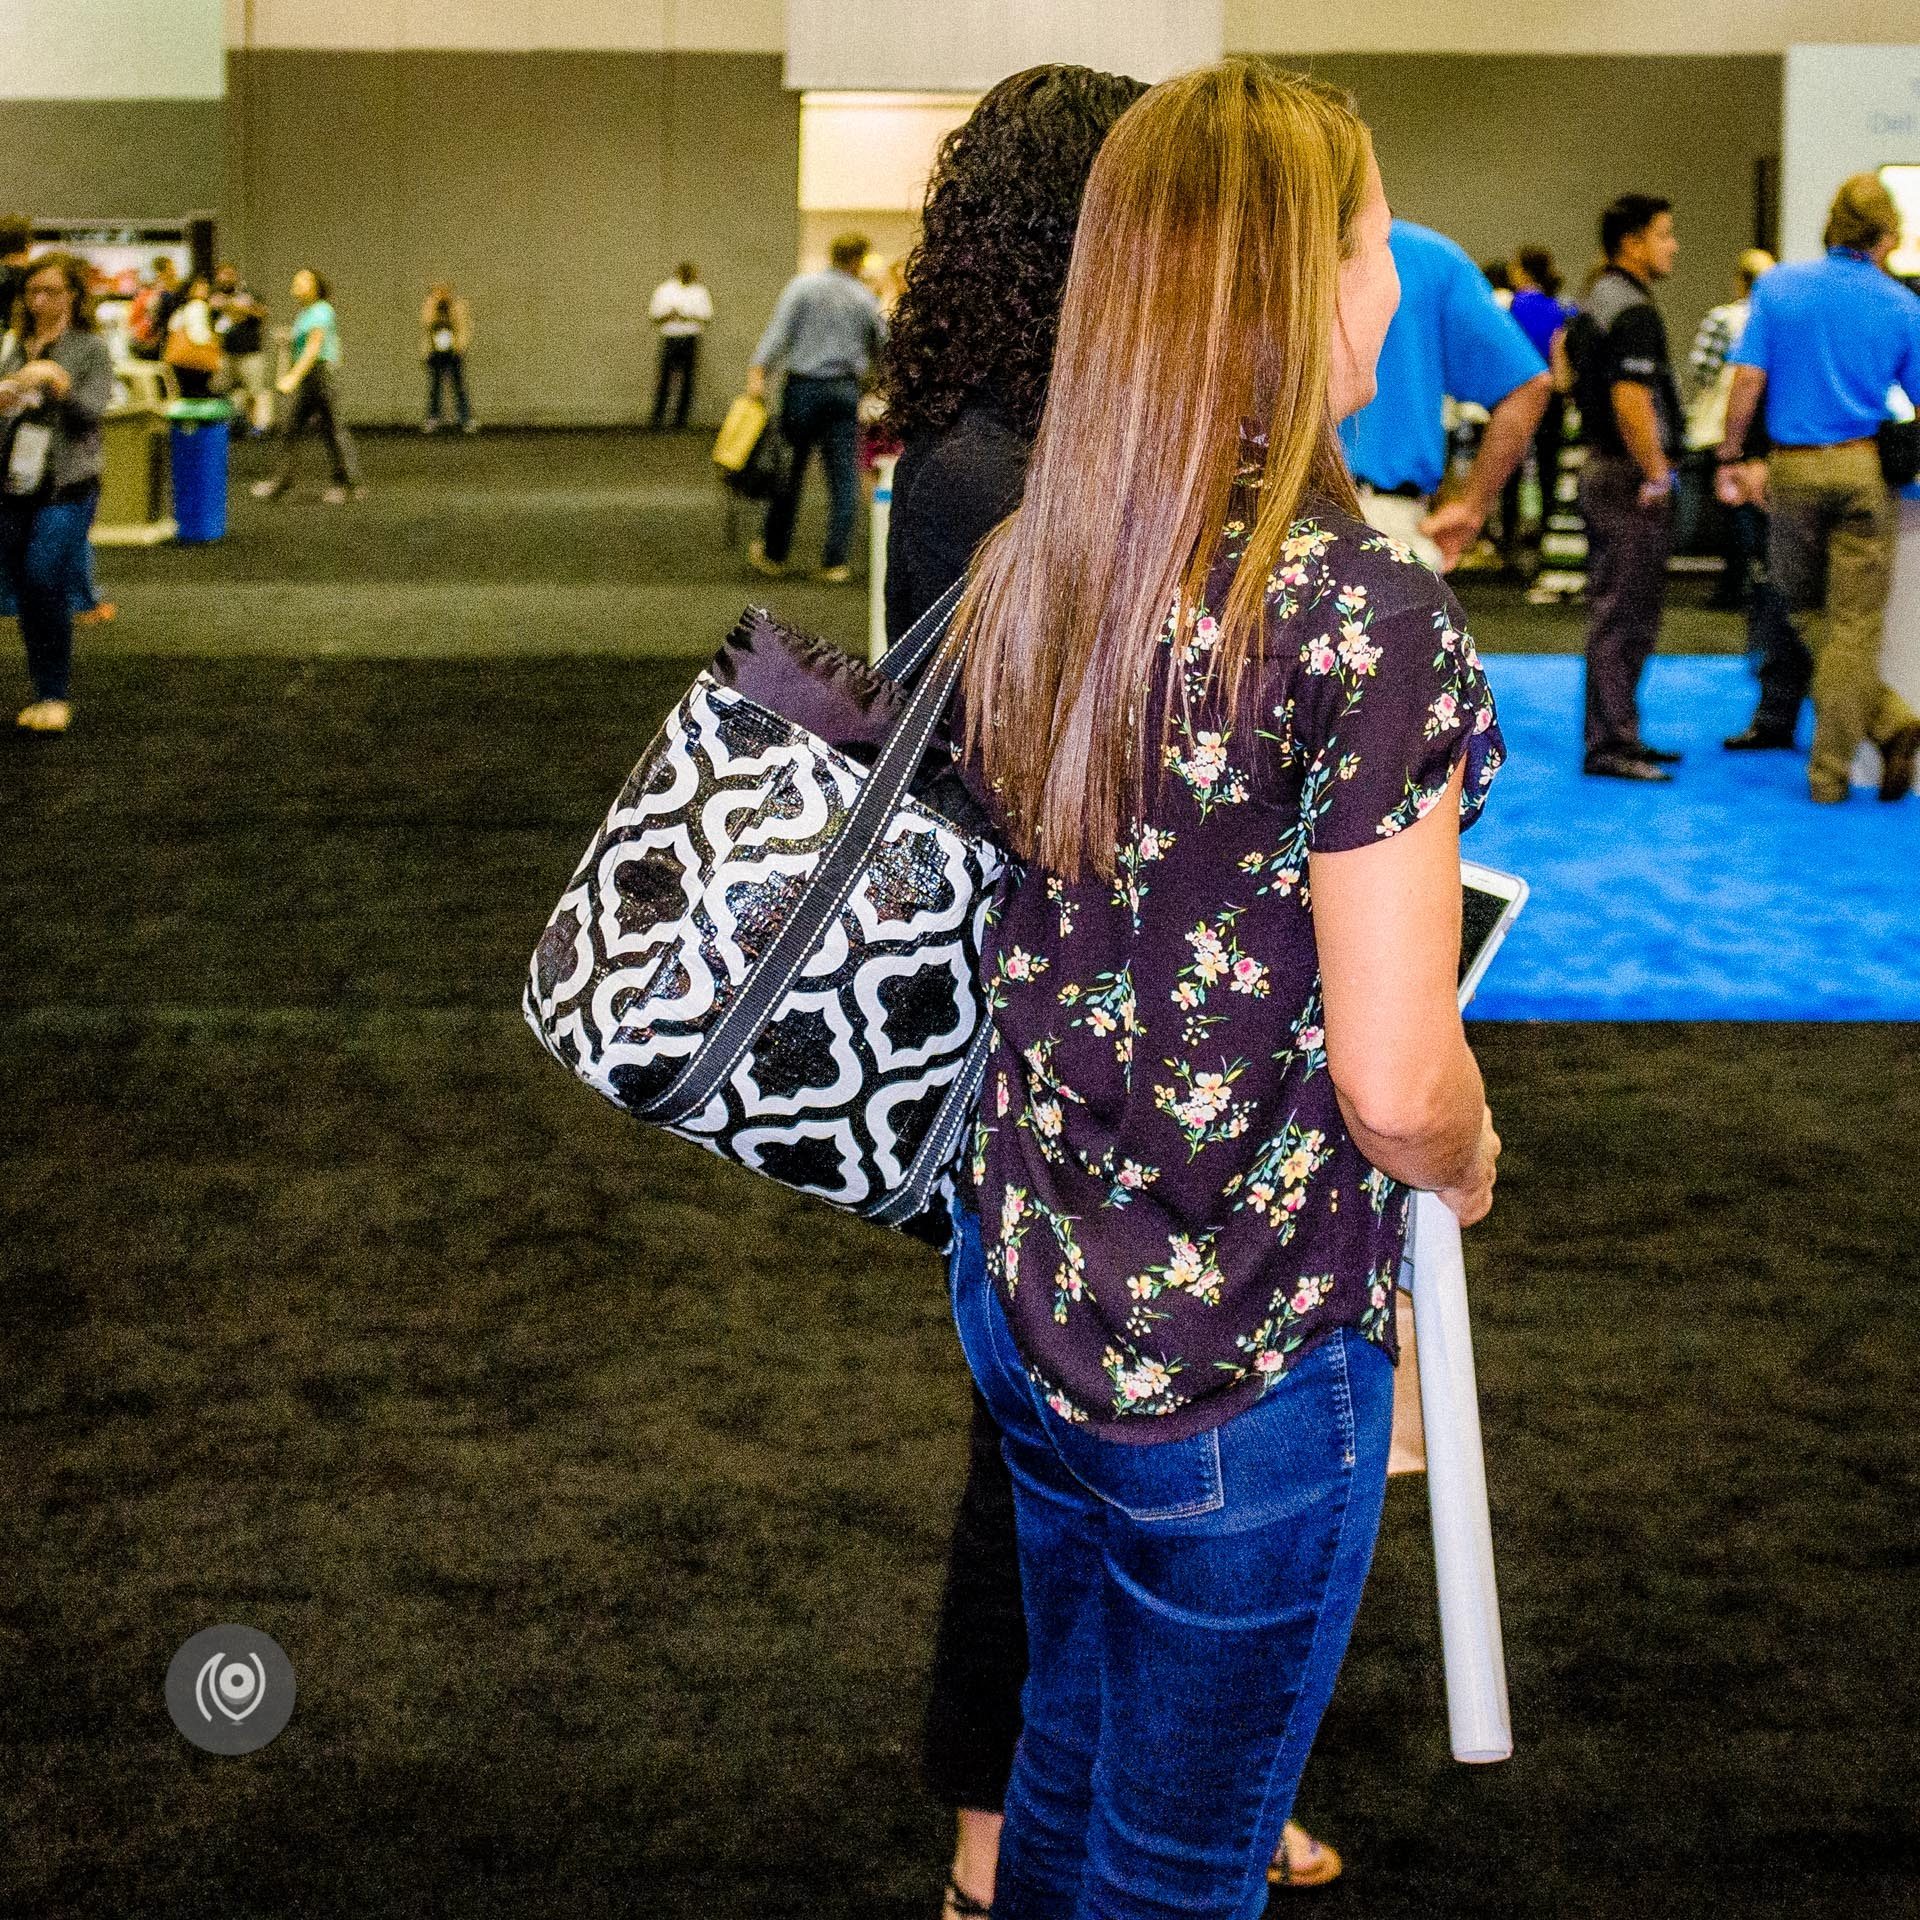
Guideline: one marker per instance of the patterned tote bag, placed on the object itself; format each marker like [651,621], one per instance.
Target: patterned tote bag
[772,945]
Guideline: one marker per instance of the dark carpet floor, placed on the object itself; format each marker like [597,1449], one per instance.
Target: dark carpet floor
[599,1493]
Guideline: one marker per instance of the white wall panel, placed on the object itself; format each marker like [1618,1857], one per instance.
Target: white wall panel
[1559,26]
[865,152]
[1848,110]
[108,50]
[510,26]
[966,45]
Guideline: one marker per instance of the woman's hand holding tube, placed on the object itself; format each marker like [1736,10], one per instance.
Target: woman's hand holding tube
[1472,1199]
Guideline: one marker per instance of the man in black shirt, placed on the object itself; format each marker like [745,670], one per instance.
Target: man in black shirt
[1631,410]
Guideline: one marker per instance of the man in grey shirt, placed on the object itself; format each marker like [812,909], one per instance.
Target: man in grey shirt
[825,330]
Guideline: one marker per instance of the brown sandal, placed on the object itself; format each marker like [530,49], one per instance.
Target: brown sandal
[1302,1861]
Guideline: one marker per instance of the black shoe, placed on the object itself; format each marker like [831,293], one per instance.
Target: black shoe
[1625,766]
[1657,756]
[1759,739]
[1897,759]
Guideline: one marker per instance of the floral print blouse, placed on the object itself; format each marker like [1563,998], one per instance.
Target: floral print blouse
[1174,1211]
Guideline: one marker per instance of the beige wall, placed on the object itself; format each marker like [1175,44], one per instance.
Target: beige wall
[1254,26]
[510,26]
[1499,151]
[135,160]
[555,190]
[1559,26]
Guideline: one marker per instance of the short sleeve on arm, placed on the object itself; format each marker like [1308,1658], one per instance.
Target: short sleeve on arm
[1633,346]
[1385,710]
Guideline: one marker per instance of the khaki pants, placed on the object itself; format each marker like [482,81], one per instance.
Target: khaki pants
[1834,524]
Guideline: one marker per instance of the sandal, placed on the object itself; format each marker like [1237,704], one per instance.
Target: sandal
[961,1905]
[1302,1861]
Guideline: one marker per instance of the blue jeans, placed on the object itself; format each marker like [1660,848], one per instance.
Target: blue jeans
[43,561]
[1188,1604]
[823,414]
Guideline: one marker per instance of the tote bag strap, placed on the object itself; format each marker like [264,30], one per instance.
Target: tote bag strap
[903,660]
[841,863]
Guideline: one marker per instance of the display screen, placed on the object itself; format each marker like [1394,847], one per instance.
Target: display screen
[1904,184]
[1480,915]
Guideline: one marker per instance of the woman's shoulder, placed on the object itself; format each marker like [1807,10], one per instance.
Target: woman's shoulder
[1331,559]
[972,474]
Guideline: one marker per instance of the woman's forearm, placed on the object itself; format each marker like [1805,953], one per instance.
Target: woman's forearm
[1387,925]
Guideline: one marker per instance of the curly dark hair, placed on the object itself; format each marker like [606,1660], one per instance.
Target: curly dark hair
[981,304]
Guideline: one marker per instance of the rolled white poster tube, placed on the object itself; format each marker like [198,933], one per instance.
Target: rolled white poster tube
[1479,1726]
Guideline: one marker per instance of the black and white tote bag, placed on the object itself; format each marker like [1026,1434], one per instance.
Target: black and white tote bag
[772,945]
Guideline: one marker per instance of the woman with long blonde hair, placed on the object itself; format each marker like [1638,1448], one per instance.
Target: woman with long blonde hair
[1233,735]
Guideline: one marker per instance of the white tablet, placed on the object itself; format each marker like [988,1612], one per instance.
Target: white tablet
[1491,900]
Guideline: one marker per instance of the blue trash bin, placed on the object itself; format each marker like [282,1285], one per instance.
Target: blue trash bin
[198,456]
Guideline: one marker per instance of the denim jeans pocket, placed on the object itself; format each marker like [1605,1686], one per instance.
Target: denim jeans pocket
[1150,1480]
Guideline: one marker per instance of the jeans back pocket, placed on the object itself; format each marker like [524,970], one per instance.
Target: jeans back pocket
[1147,1480]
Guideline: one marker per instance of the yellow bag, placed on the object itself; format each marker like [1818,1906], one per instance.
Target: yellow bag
[739,434]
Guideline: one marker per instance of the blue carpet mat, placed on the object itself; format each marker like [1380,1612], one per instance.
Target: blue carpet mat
[1726,896]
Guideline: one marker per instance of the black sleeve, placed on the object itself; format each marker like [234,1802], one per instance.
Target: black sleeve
[945,502]
[1636,347]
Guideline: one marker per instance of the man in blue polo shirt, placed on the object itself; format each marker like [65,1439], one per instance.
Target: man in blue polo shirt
[1825,342]
[1450,337]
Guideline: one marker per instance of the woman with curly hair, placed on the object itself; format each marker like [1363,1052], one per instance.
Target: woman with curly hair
[965,378]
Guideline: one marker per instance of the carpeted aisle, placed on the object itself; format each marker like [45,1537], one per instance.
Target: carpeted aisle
[1726,896]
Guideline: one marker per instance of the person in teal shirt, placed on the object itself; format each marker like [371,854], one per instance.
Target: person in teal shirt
[317,318]
[312,387]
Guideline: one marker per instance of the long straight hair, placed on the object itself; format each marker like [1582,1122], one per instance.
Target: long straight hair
[1201,296]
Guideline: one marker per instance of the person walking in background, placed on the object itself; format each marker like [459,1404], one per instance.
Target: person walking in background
[56,383]
[1782,660]
[681,309]
[193,347]
[1450,338]
[1739,529]
[446,331]
[312,389]
[826,329]
[152,308]
[241,323]
[1539,313]
[1719,333]
[1631,411]
[16,249]
[1825,341]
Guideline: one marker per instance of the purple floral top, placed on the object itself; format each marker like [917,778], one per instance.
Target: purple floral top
[1174,1211]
